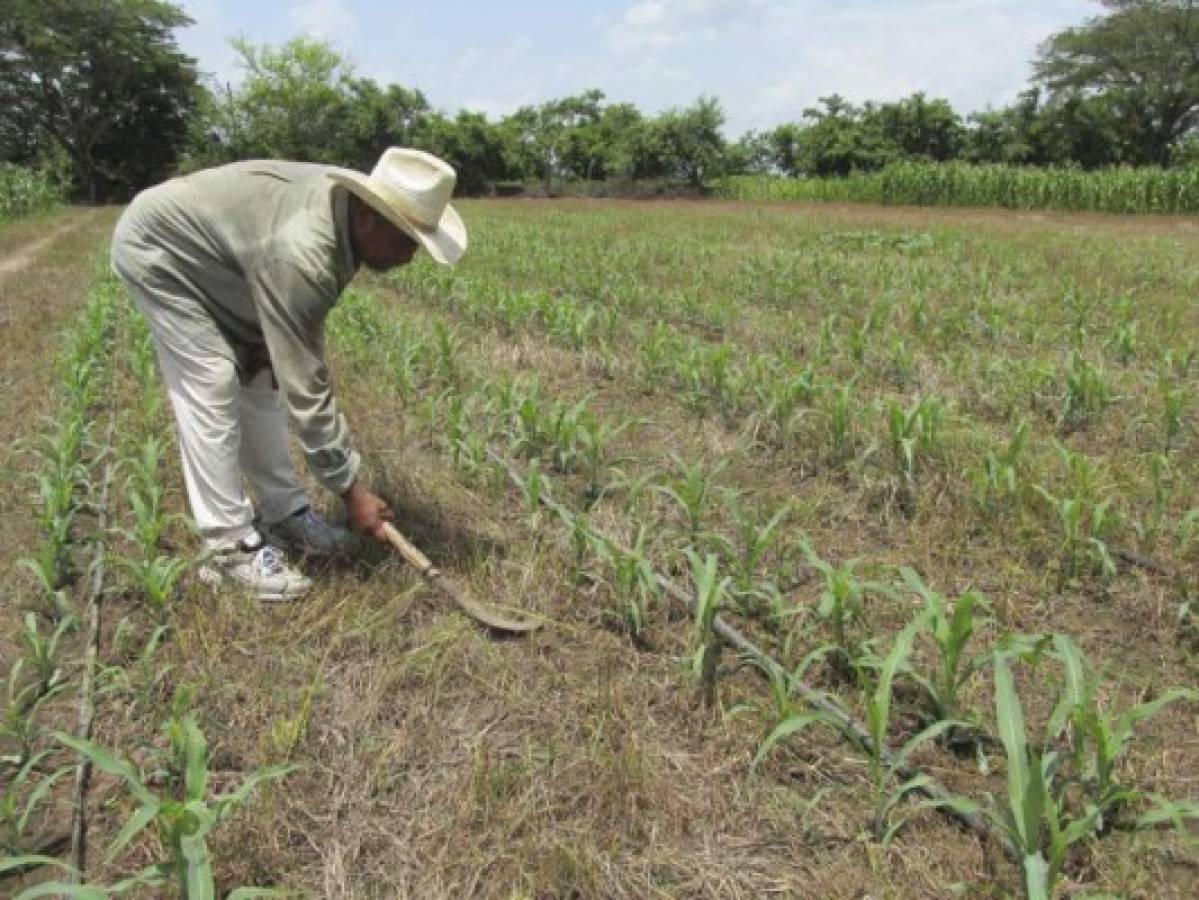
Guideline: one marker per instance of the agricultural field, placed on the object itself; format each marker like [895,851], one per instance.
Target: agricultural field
[936,471]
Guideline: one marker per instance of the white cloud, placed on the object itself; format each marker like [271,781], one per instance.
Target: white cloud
[330,20]
[657,24]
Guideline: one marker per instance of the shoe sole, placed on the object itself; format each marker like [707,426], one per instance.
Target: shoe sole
[216,579]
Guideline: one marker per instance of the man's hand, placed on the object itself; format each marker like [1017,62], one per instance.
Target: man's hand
[365,512]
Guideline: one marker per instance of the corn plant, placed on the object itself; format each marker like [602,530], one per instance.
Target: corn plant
[883,770]
[913,429]
[692,493]
[841,609]
[41,653]
[998,479]
[1034,819]
[145,493]
[183,825]
[635,582]
[1125,341]
[780,400]
[1099,737]
[1088,391]
[840,411]
[951,633]
[710,592]
[155,578]
[1174,403]
[1161,473]
[754,543]
[1082,529]
[595,437]
[22,797]
[20,730]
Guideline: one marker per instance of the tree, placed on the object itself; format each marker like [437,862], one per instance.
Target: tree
[688,143]
[292,103]
[841,138]
[1143,58]
[101,79]
[921,128]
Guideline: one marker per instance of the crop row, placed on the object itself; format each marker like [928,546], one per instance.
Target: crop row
[1118,190]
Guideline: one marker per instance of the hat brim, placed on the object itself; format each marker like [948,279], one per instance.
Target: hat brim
[446,243]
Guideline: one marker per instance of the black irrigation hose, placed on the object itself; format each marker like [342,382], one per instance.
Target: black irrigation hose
[818,700]
[87,705]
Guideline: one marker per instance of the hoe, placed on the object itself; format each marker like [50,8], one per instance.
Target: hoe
[479,612]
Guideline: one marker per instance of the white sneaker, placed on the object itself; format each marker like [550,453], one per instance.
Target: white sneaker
[257,567]
[307,533]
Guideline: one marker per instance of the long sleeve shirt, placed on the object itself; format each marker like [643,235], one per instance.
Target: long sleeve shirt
[264,248]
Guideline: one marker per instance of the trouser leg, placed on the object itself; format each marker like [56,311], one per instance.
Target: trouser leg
[264,458]
[198,367]
[203,391]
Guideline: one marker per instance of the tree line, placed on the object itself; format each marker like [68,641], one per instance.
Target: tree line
[100,90]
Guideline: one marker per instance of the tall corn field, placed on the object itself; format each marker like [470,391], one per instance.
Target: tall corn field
[1124,190]
[26,191]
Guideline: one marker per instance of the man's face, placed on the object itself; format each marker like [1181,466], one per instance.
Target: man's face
[378,244]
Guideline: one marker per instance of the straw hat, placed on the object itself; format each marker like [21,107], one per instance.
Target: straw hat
[412,190]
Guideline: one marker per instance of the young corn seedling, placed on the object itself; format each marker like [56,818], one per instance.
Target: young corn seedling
[842,609]
[183,825]
[447,351]
[22,797]
[780,400]
[635,582]
[998,481]
[840,411]
[595,439]
[41,653]
[951,633]
[1124,341]
[1034,819]
[1099,737]
[754,543]
[1083,527]
[145,493]
[1149,528]
[1088,392]
[692,493]
[878,718]
[1174,403]
[710,591]
[154,578]
[913,432]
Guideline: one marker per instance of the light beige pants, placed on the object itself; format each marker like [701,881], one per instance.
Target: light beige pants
[227,430]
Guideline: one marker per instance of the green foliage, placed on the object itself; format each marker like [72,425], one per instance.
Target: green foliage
[1122,190]
[99,80]
[25,191]
[183,825]
[951,632]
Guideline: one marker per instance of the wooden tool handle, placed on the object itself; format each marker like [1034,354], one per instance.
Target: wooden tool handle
[411,554]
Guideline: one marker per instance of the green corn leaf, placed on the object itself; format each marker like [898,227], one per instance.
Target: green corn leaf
[789,726]
[131,829]
[195,776]
[1010,720]
[1036,877]
[15,863]
[109,763]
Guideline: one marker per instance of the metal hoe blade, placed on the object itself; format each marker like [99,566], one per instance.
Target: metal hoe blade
[490,617]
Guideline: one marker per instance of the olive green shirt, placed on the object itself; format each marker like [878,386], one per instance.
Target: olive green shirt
[264,248]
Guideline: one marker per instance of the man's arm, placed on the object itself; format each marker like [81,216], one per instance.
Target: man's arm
[292,306]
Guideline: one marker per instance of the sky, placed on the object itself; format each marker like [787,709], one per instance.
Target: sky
[766,60]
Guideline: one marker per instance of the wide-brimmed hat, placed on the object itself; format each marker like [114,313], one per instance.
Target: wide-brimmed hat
[412,190]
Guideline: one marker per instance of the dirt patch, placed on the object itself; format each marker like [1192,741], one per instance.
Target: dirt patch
[22,256]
